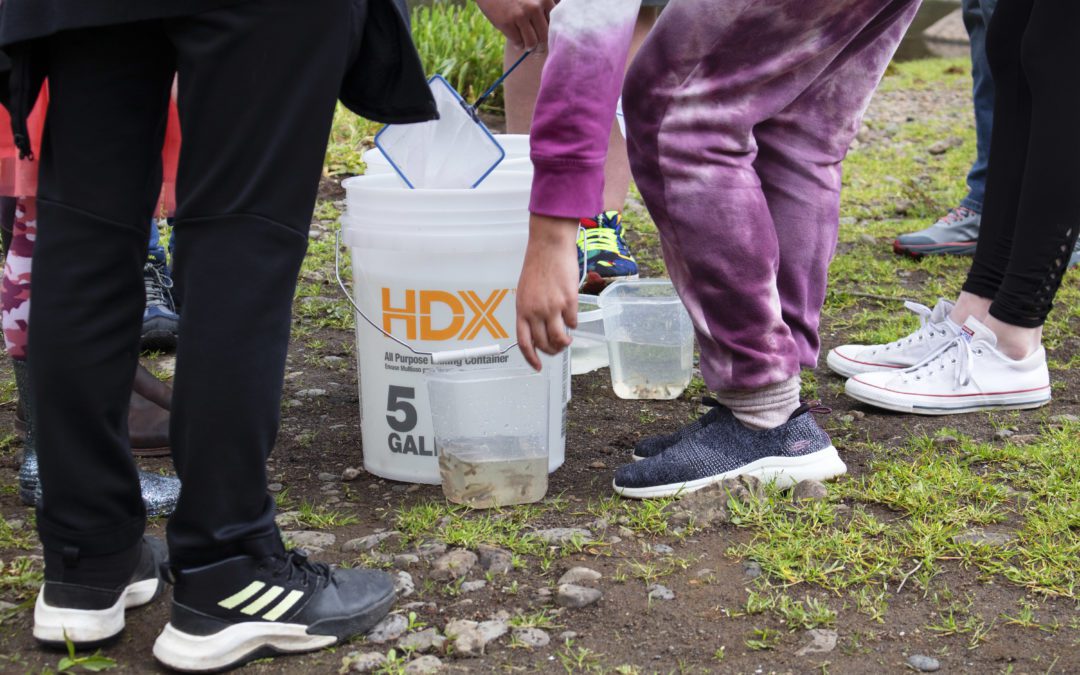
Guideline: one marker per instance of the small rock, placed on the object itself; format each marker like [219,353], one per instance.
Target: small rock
[849,220]
[614,539]
[980,537]
[944,145]
[823,641]
[350,474]
[311,393]
[625,532]
[580,575]
[495,560]
[543,592]
[809,490]
[16,524]
[868,239]
[293,403]
[945,440]
[532,637]
[925,664]
[597,465]
[751,569]
[275,487]
[847,419]
[363,663]
[660,592]
[470,638]
[287,519]
[1064,419]
[1002,434]
[453,565]
[370,542]
[472,586]
[7,606]
[705,572]
[1024,439]
[431,549]
[327,477]
[857,414]
[425,665]
[310,540]
[404,560]
[423,641]
[662,549]
[403,584]
[567,635]
[576,597]
[389,629]
[563,535]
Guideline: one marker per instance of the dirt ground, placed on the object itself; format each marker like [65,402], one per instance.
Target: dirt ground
[712,624]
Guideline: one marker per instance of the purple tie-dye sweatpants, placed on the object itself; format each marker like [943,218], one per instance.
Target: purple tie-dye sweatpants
[739,114]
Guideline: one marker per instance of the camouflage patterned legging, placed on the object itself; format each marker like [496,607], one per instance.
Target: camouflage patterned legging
[15,293]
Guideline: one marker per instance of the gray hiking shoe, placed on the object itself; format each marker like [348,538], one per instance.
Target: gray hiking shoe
[654,445]
[724,448]
[955,233]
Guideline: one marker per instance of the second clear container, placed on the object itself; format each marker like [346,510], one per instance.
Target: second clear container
[650,339]
[491,435]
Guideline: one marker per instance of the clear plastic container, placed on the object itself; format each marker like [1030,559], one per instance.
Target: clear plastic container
[650,339]
[588,351]
[491,435]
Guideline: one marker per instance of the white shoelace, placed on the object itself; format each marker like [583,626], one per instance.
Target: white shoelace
[926,329]
[957,351]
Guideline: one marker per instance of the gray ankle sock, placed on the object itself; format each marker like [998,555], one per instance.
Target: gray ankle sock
[764,408]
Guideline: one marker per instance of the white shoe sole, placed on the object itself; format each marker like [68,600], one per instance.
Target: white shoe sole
[782,471]
[845,367]
[945,405]
[234,645]
[57,625]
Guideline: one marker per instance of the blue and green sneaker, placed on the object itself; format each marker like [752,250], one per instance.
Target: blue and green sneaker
[603,252]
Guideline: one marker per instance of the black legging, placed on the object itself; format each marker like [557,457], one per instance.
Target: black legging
[1031,217]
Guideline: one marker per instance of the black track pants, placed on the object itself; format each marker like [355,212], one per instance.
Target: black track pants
[258,83]
[1031,216]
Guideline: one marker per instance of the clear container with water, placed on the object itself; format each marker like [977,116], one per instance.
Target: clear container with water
[491,435]
[588,351]
[650,339]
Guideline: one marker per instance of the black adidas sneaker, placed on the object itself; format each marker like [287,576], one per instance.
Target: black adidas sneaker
[83,599]
[245,608]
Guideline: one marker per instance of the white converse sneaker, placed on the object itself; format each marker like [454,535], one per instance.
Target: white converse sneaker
[935,331]
[965,375]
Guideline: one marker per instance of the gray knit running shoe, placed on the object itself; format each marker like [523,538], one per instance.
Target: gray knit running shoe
[796,450]
[955,233]
[654,445]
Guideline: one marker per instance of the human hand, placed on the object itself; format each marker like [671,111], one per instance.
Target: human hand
[547,291]
[523,22]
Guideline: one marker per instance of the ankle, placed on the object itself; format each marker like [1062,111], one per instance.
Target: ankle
[764,408]
[969,305]
[1015,342]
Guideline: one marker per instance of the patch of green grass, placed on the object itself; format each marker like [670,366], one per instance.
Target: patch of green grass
[323,518]
[20,578]
[459,526]
[578,659]
[934,495]
[805,614]
[349,136]
[459,43]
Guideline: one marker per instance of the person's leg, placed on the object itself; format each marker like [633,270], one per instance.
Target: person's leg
[98,182]
[800,151]
[956,232]
[1047,219]
[977,15]
[108,94]
[1010,148]
[246,189]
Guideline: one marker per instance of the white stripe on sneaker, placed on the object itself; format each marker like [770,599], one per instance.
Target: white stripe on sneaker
[263,600]
[285,605]
[237,599]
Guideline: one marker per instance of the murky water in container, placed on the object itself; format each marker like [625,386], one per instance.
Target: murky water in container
[648,371]
[493,471]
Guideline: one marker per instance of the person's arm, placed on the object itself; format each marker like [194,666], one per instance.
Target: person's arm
[587,51]
[523,22]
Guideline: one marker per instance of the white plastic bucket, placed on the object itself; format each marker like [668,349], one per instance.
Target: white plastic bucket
[444,281]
